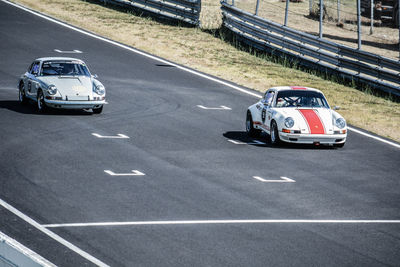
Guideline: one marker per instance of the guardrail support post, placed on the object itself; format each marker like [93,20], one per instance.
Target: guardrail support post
[233,2]
[257,6]
[338,11]
[321,16]
[286,11]
[310,4]
[371,30]
[398,19]
[359,23]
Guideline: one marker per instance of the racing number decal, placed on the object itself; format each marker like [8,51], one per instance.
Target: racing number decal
[263,115]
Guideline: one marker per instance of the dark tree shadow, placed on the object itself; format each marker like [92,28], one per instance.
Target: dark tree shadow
[30,108]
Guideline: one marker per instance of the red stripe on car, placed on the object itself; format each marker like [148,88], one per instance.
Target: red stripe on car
[298,88]
[314,122]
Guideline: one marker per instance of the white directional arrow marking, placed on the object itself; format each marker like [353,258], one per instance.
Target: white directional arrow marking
[220,108]
[118,136]
[68,52]
[133,173]
[283,180]
[254,142]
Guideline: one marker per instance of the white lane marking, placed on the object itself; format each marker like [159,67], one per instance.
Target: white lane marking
[118,136]
[236,142]
[133,173]
[282,180]
[220,222]
[54,236]
[220,107]
[25,251]
[168,62]
[373,137]
[254,142]
[68,52]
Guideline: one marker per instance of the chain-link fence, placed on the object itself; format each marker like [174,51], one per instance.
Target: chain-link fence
[339,23]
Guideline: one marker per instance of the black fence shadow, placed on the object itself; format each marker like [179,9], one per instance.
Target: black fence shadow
[30,108]
[241,136]
[393,47]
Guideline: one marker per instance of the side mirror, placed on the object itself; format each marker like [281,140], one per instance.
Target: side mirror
[336,108]
[95,76]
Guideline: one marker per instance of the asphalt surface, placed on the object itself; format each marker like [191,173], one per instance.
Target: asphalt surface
[52,170]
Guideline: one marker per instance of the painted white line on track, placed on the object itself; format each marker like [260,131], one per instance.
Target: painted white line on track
[118,136]
[54,236]
[373,137]
[218,108]
[133,173]
[254,142]
[205,76]
[221,222]
[68,52]
[13,244]
[282,180]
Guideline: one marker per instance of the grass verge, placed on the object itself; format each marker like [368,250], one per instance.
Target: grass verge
[210,53]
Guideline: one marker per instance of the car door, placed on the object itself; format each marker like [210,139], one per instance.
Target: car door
[266,113]
[31,80]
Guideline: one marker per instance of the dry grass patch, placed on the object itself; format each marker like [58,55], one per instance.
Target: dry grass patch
[200,50]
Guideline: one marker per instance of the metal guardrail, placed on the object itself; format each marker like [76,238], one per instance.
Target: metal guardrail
[183,10]
[377,71]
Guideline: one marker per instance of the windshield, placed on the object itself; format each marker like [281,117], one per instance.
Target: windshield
[301,98]
[64,68]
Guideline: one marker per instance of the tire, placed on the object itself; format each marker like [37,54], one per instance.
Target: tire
[251,131]
[98,110]
[339,145]
[274,136]
[40,104]
[21,95]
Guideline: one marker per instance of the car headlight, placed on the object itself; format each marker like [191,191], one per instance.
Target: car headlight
[340,123]
[52,90]
[289,122]
[99,89]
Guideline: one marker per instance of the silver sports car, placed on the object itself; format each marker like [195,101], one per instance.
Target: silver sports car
[61,82]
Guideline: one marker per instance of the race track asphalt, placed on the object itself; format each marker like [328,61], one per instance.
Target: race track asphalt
[52,170]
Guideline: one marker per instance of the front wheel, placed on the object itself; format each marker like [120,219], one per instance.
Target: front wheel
[251,131]
[338,145]
[98,110]
[21,95]
[41,105]
[275,140]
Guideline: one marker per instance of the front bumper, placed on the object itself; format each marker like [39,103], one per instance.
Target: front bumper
[327,139]
[71,104]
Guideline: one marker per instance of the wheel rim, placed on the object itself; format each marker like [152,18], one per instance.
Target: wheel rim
[40,101]
[273,133]
[248,124]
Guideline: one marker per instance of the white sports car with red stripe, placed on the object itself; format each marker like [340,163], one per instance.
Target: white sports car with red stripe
[296,115]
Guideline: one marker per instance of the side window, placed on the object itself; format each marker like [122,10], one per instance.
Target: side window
[35,68]
[269,96]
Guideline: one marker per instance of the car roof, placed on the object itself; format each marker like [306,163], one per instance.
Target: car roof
[58,59]
[284,88]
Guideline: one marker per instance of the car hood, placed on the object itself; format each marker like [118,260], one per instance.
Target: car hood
[70,85]
[312,120]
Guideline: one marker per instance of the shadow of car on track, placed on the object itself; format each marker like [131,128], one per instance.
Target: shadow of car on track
[241,136]
[29,108]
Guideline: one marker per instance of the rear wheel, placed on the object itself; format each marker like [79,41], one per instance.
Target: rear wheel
[21,94]
[98,110]
[251,131]
[41,105]
[275,140]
